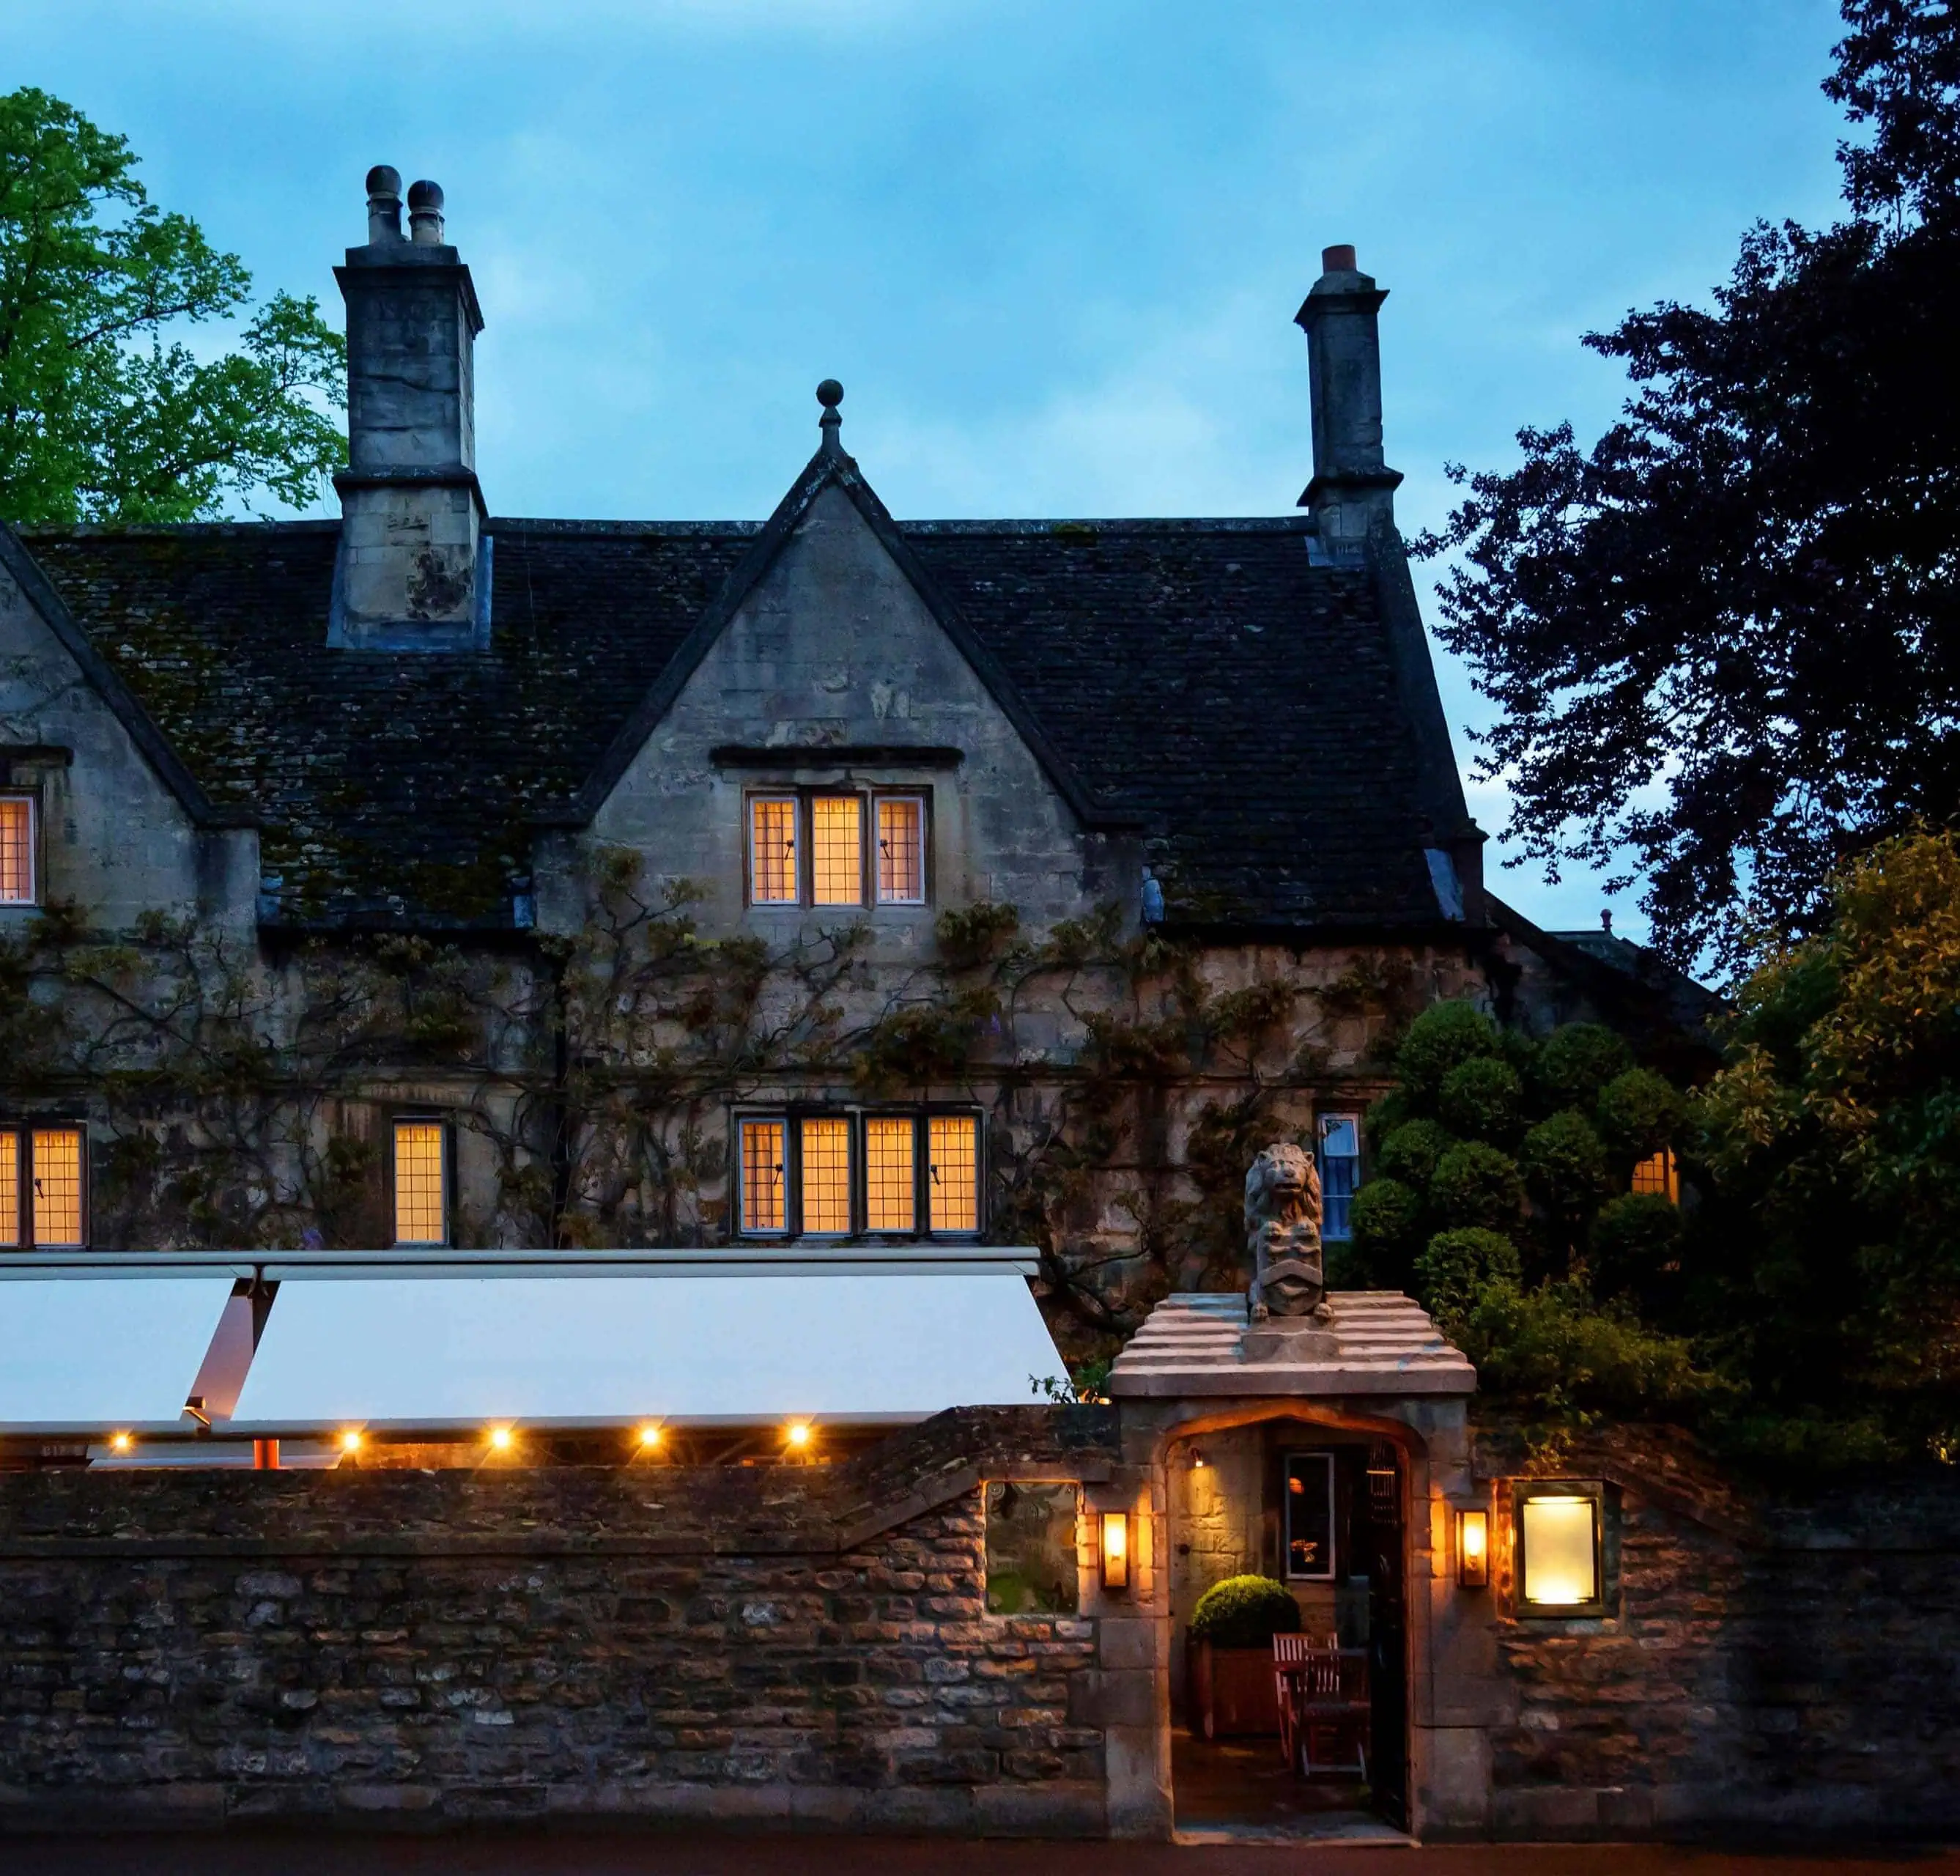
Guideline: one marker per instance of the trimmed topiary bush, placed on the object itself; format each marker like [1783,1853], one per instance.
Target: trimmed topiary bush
[1634,1240]
[1456,1267]
[1475,1184]
[1410,1153]
[1578,1060]
[1386,1219]
[1244,1611]
[1482,1099]
[1565,1162]
[1385,1115]
[1639,1113]
[1444,1035]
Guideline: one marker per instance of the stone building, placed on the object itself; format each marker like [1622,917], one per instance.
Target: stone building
[671,967]
[435,877]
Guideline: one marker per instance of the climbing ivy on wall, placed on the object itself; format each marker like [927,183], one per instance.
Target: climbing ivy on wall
[1129,1079]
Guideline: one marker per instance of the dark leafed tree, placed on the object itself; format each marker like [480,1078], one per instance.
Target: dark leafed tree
[106,413]
[1726,639]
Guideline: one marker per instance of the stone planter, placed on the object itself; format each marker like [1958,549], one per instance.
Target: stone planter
[1232,1693]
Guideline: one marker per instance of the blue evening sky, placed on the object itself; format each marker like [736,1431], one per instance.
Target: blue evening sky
[1052,247]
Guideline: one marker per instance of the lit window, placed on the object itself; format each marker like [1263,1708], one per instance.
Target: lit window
[1659,1176]
[772,861]
[815,1189]
[1309,1515]
[421,1198]
[826,1177]
[889,1202]
[55,1167]
[901,851]
[17,850]
[836,851]
[10,1189]
[763,1188]
[1558,1543]
[954,1172]
[1339,1172]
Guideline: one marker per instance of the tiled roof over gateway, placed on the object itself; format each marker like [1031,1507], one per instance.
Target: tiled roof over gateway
[1206,678]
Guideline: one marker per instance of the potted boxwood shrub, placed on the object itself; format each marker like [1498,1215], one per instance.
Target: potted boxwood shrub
[1229,1649]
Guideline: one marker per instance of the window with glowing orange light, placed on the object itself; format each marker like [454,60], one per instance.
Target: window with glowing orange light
[422,1183]
[824,1160]
[952,1171]
[1659,1176]
[901,850]
[836,850]
[19,885]
[764,1176]
[772,850]
[848,1174]
[827,847]
[891,1173]
[43,1188]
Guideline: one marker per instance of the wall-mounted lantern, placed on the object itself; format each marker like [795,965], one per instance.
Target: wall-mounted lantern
[1116,1549]
[1473,1549]
[1559,1531]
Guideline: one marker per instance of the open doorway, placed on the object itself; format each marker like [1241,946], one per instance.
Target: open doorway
[1320,1511]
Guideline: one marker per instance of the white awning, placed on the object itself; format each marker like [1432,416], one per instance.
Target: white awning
[117,1351]
[462,1349]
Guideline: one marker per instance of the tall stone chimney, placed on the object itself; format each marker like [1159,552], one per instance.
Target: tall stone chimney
[413,572]
[1352,491]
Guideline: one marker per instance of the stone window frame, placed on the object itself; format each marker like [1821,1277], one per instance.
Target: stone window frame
[36,895]
[790,1115]
[20,1227]
[1606,1550]
[423,1117]
[868,795]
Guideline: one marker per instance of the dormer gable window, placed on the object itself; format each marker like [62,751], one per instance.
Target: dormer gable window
[836,847]
[20,883]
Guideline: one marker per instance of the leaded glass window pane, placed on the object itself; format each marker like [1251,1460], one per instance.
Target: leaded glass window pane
[837,851]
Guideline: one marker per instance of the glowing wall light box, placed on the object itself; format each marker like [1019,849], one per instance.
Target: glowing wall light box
[1558,1550]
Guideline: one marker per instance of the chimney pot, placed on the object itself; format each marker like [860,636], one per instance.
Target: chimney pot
[425,213]
[1338,260]
[384,204]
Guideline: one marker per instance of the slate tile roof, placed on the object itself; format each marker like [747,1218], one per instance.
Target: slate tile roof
[1205,676]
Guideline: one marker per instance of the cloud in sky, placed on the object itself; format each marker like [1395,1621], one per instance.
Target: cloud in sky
[1052,250]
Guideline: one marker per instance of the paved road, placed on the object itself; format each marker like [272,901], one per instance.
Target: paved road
[332,1854]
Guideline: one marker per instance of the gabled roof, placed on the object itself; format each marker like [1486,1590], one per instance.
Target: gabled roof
[142,730]
[830,468]
[1265,721]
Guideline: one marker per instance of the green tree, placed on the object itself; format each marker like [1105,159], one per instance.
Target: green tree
[106,414]
[1831,1249]
[1723,638]
[1495,1159]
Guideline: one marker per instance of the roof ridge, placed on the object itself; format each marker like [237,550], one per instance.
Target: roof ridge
[1062,525]
[150,530]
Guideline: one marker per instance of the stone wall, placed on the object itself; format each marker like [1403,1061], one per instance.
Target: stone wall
[805,1645]
[1764,1663]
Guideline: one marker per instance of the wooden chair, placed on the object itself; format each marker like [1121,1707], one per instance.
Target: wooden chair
[1290,1656]
[1323,1700]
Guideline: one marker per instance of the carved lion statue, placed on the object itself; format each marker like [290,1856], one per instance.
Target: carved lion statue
[1283,1234]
